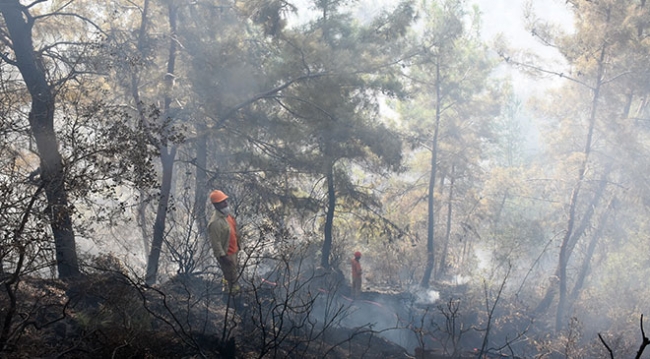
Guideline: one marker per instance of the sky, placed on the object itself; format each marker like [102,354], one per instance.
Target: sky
[504,16]
[507,16]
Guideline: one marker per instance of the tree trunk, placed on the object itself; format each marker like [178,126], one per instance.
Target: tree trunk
[565,253]
[201,183]
[142,219]
[167,156]
[167,160]
[41,119]
[443,257]
[571,243]
[431,196]
[329,218]
[142,205]
[591,248]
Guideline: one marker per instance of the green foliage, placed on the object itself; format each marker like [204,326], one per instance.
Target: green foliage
[448,117]
[286,116]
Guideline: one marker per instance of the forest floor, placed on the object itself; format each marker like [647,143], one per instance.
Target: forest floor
[111,316]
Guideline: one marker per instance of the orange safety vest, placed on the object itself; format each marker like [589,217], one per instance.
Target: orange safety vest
[232,240]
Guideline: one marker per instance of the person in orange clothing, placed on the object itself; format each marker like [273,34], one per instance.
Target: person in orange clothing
[356,275]
[224,238]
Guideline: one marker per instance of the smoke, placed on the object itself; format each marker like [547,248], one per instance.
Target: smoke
[389,316]
[425,296]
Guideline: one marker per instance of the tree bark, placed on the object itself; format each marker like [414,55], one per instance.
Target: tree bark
[41,120]
[153,260]
[426,277]
[570,245]
[591,248]
[443,257]
[329,218]
[201,183]
[167,156]
[142,206]
[566,247]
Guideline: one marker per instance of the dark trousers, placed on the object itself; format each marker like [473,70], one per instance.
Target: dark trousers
[229,268]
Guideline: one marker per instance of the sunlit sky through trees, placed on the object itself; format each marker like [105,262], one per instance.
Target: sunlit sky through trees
[504,17]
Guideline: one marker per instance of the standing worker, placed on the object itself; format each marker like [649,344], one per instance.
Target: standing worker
[356,275]
[225,239]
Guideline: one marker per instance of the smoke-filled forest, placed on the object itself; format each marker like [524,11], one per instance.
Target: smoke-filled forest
[495,195]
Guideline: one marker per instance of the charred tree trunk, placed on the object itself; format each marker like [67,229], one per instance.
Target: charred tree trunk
[167,156]
[167,159]
[142,205]
[41,120]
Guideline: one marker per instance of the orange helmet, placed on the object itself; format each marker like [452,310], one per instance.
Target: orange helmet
[357,254]
[217,196]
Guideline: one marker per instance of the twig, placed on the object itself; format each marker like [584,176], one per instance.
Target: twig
[645,341]
[611,354]
[490,311]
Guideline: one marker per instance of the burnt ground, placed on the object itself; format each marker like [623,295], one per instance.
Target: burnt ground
[108,315]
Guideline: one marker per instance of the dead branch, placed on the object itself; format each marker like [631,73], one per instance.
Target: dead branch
[611,354]
[490,311]
[644,340]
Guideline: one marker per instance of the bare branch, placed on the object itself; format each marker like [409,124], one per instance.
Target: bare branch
[36,2]
[611,354]
[490,311]
[68,43]
[64,5]
[7,59]
[644,341]
[83,18]
[544,71]
[616,77]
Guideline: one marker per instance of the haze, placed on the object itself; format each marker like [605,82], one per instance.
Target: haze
[483,172]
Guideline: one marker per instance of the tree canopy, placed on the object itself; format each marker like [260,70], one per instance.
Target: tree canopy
[403,133]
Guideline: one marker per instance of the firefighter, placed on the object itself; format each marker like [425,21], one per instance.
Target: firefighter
[225,241]
[356,275]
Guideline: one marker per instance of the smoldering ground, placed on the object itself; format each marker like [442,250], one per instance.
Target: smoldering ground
[442,321]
